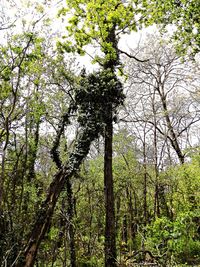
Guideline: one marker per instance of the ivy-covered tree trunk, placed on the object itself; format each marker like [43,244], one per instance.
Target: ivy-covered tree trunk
[27,257]
[92,118]
[110,227]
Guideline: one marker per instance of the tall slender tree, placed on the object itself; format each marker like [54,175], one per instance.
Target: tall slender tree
[101,23]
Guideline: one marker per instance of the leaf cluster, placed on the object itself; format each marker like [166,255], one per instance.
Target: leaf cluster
[182,15]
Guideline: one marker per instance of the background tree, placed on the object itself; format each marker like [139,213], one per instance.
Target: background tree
[165,80]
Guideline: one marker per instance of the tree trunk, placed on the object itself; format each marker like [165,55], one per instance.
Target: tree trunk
[110,243]
[110,227]
[43,219]
[172,135]
[145,187]
[33,154]
[144,192]
[70,212]
[28,255]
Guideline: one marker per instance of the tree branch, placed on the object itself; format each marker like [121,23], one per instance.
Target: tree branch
[54,151]
[131,56]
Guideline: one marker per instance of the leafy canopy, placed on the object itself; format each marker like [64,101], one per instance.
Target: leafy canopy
[92,21]
[183,14]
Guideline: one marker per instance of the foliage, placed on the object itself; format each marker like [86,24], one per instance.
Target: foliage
[175,240]
[96,93]
[182,16]
[178,238]
[92,23]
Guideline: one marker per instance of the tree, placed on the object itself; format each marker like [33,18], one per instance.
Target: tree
[165,80]
[27,78]
[21,111]
[91,118]
[101,23]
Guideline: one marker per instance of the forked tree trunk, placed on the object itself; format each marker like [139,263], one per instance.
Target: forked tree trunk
[27,257]
[172,135]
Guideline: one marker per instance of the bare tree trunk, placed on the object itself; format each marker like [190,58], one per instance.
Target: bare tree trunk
[155,146]
[133,213]
[70,211]
[145,185]
[125,230]
[110,231]
[144,191]
[172,135]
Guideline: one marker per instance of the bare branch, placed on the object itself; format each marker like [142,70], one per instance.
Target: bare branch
[131,56]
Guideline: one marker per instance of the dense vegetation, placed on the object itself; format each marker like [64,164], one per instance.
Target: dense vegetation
[99,166]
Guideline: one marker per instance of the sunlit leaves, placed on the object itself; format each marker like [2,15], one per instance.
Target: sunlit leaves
[183,16]
[91,22]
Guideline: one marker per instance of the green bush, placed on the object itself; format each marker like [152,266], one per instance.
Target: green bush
[177,240]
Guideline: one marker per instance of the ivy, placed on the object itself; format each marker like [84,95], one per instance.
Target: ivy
[94,95]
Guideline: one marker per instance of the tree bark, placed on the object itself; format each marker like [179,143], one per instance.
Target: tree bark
[110,243]
[70,212]
[172,135]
